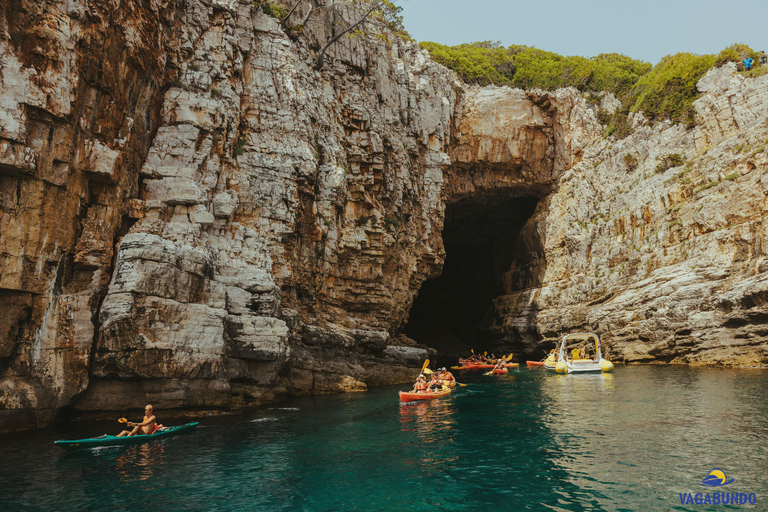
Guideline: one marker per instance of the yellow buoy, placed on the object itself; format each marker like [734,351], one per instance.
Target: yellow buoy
[606,366]
[561,367]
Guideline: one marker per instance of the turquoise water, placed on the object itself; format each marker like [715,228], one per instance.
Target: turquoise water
[531,440]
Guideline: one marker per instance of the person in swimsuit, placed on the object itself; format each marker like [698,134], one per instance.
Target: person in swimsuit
[146,427]
[435,384]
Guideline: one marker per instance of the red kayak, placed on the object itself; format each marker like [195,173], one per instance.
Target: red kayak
[501,371]
[409,396]
[535,363]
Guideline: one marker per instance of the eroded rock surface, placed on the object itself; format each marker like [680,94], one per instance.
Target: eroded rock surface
[194,217]
[668,264]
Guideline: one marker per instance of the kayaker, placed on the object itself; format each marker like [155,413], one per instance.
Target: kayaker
[446,375]
[435,384]
[421,385]
[502,363]
[146,427]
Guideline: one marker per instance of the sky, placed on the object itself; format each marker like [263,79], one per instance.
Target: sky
[642,29]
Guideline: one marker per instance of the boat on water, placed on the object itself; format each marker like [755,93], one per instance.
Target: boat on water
[409,396]
[578,353]
[500,371]
[478,367]
[107,440]
[551,360]
[534,363]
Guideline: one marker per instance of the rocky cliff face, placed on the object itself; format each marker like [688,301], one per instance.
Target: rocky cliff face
[663,251]
[192,216]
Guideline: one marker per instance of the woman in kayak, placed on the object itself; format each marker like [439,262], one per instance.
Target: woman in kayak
[421,385]
[146,427]
[502,363]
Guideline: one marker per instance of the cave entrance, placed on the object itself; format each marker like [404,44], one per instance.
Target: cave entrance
[454,312]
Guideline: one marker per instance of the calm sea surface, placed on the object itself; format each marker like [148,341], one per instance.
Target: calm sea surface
[532,440]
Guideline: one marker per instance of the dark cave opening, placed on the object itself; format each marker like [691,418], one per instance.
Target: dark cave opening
[454,312]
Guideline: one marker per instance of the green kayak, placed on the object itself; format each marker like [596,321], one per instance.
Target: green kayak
[107,440]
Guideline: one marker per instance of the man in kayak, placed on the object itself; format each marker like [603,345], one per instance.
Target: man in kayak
[435,384]
[445,375]
[146,427]
[501,363]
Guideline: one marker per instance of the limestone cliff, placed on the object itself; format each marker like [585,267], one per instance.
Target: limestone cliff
[192,216]
[658,241]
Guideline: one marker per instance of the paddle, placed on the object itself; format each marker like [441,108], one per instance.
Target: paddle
[423,367]
[122,420]
[460,384]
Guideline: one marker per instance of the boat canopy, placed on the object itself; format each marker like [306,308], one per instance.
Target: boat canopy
[580,346]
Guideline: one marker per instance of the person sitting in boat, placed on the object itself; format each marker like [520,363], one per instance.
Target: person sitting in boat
[421,385]
[445,375]
[501,363]
[146,427]
[436,384]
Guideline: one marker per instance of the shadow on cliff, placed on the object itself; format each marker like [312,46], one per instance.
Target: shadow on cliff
[485,253]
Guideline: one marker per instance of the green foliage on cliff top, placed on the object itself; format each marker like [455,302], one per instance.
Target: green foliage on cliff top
[736,53]
[669,89]
[487,63]
[664,91]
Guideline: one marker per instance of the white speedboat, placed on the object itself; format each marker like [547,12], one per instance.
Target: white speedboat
[578,353]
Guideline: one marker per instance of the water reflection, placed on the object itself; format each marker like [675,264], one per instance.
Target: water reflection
[431,419]
[141,462]
[650,434]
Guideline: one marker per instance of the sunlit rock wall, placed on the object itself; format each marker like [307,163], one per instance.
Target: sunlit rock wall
[668,265]
[79,99]
[192,216]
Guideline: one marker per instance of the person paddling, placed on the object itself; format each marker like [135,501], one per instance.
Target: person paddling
[146,427]
[421,385]
[502,363]
[446,375]
[435,384]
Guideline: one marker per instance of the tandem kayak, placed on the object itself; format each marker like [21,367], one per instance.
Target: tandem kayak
[408,396]
[107,440]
